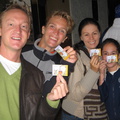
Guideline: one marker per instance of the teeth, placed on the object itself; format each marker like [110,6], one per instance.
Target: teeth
[91,42]
[53,38]
[15,38]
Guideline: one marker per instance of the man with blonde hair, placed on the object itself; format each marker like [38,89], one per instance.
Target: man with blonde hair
[21,83]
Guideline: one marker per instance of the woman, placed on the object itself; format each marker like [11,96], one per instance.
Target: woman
[83,100]
[109,82]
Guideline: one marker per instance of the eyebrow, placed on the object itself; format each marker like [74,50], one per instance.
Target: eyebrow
[56,25]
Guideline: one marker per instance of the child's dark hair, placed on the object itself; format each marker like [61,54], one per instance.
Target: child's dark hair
[113,41]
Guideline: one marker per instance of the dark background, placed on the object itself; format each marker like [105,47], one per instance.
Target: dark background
[39,13]
[42,14]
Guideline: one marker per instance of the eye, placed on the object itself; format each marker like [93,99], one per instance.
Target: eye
[104,53]
[51,26]
[114,53]
[63,31]
[25,26]
[95,33]
[86,34]
[10,24]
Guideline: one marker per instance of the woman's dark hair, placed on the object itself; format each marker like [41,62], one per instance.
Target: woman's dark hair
[113,41]
[82,24]
[87,21]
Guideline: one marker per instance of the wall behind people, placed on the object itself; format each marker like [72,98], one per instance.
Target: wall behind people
[52,5]
[79,9]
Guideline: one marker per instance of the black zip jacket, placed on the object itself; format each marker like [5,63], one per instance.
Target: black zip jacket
[33,106]
[110,94]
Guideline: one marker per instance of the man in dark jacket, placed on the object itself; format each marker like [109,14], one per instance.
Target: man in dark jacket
[21,84]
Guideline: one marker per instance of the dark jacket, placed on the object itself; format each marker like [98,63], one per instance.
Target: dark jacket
[44,60]
[33,105]
[110,94]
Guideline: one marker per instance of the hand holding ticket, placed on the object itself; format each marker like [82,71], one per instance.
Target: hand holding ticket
[62,53]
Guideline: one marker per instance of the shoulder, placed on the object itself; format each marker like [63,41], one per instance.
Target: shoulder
[29,67]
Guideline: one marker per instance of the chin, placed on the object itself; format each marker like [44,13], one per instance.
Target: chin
[110,65]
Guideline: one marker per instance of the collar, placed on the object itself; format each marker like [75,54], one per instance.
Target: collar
[41,53]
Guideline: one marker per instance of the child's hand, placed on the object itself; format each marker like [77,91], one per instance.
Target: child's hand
[102,70]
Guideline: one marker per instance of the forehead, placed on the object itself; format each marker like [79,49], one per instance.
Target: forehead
[89,27]
[15,14]
[110,46]
[58,19]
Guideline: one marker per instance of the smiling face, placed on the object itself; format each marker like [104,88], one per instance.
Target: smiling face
[110,49]
[54,33]
[15,30]
[90,35]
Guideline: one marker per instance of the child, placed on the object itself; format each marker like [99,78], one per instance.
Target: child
[109,82]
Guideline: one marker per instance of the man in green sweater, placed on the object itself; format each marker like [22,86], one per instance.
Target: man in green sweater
[21,83]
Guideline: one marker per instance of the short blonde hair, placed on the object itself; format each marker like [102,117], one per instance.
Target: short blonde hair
[15,6]
[64,15]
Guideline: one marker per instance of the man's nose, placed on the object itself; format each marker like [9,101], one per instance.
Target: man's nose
[18,29]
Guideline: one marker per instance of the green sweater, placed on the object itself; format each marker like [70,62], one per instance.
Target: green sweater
[9,94]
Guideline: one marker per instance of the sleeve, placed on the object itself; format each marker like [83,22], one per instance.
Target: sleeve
[45,111]
[53,104]
[80,84]
[103,91]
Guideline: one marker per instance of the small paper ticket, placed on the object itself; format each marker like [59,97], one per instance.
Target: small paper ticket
[95,52]
[62,53]
[61,69]
[112,58]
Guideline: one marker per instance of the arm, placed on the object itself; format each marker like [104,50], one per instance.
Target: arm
[102,83]
[102,71]
[59,91]
[80,84]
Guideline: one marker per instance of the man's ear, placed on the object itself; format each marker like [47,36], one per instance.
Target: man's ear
[43,30]
[64,39]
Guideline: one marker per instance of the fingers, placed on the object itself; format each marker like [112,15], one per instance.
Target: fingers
[95,59]
[62,81]
[59,90]
[72,54]
[94,63]
[102,67]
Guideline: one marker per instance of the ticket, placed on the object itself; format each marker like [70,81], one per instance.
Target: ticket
[95,52]
[112,58]
[62,53]
[61,69]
